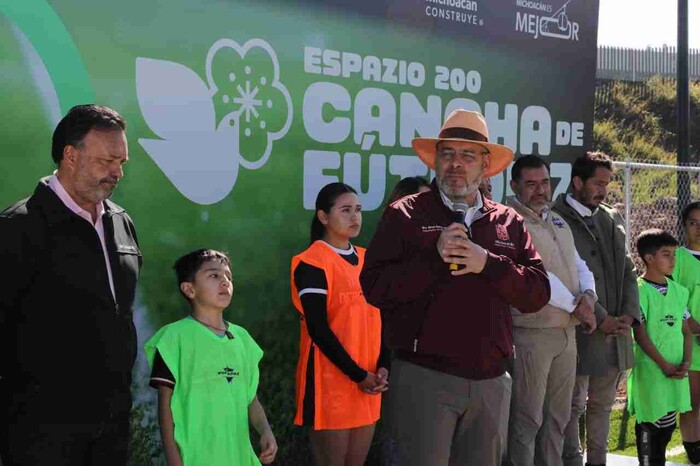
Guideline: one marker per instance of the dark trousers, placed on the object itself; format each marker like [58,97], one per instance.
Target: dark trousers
[39,444]
[651,443]
[37,436]
[3,418]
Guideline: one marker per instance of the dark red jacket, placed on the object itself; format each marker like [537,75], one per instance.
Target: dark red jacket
[459,325]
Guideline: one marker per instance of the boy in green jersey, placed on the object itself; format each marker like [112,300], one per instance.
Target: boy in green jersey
[687,273]
[206,373]
[657,387]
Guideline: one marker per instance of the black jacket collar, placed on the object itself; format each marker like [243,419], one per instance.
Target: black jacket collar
[55,210]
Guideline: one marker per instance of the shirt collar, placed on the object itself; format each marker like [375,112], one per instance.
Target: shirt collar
[342,252]
[57,187]
[582,210]
[478,203]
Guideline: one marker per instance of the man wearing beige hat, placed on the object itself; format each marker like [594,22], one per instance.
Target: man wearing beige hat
[445,266]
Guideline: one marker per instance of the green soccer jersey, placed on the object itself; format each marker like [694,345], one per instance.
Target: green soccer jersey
[650,394]
[215,381]
[687,273]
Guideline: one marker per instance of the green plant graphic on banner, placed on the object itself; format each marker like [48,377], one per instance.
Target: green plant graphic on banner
[54,44]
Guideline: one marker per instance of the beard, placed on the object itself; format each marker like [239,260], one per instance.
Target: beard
[538,205]
[466,190]
[592,201]
[92,189]
[95,191]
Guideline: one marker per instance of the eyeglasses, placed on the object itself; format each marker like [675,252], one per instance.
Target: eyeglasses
[448,154]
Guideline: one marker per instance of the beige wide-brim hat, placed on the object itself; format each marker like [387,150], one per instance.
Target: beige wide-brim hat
[465,125]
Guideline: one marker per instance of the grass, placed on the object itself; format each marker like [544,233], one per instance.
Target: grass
[621,440]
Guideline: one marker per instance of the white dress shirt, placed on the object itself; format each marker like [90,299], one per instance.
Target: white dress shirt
[68,201]
[471,211]
[582,210]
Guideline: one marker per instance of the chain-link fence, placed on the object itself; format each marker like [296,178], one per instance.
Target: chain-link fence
[651,195]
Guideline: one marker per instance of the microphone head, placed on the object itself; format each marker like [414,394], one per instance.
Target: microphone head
[460,211]
[460,207]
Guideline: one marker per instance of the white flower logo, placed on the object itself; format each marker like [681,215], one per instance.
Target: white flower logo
[208,129]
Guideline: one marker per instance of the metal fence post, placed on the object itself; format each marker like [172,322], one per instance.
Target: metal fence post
[628,203]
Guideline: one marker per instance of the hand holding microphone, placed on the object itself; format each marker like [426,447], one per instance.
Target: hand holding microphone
[455,247]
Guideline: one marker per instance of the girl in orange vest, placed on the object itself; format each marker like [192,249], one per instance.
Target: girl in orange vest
[340,375]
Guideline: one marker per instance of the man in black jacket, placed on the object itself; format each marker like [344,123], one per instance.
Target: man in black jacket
[69,263]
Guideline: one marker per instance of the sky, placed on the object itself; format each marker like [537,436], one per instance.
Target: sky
[644,23]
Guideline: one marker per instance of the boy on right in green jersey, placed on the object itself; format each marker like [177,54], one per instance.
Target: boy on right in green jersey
[658,387]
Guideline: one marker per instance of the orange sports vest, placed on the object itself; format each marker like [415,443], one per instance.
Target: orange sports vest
[339,402]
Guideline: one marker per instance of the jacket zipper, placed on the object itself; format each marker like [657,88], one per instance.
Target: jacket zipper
[420,328]
[430,301]
[474,220]
[109,285]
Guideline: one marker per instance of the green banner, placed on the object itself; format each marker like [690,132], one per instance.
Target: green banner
[240,111]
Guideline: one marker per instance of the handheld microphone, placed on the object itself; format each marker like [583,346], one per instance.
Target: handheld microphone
[460,211]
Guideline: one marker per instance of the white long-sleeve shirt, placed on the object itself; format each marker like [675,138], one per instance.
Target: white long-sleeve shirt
[560,296]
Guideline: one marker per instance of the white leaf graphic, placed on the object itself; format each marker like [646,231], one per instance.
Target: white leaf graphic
[174,101]
[202,168]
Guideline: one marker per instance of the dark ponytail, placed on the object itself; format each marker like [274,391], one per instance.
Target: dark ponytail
[325,201]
